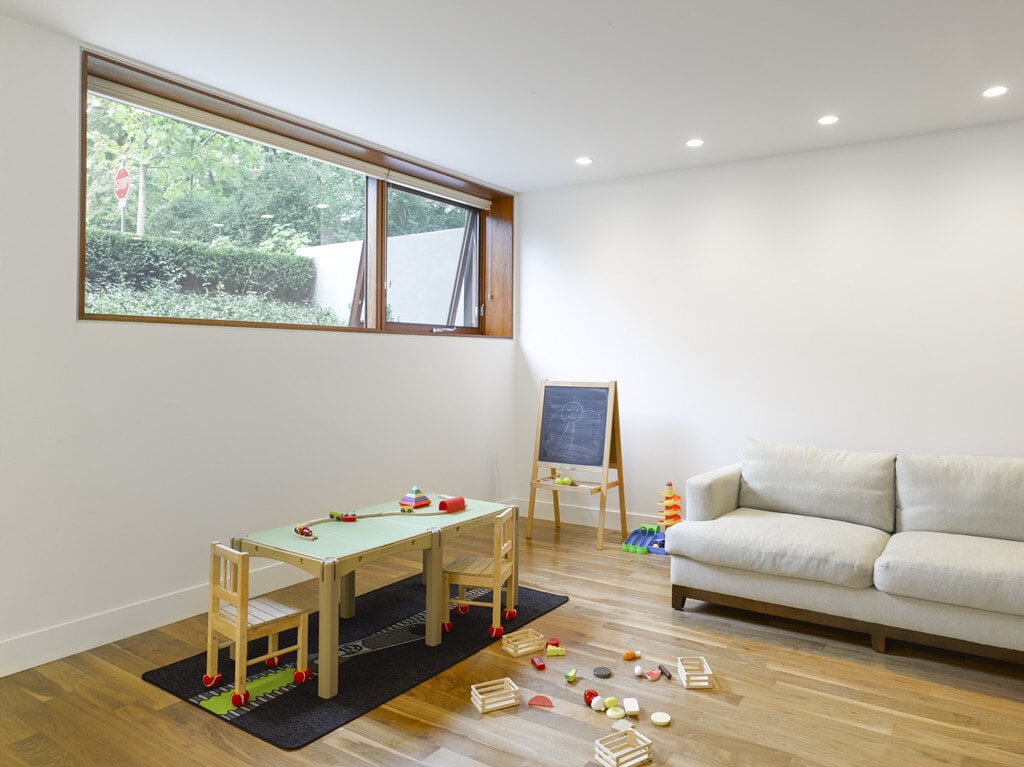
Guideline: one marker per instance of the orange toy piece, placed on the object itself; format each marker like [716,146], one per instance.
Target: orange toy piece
[671,509]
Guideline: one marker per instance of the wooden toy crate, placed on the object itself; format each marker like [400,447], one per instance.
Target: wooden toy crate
[623,749]
[695,673]
[499,693]
[522,642]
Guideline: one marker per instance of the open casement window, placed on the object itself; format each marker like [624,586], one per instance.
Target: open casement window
[432,272]
[199,208]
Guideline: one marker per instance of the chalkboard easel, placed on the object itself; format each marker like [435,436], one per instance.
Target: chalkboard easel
[578,431]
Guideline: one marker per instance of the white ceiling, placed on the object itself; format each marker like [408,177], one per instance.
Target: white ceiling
[510,93]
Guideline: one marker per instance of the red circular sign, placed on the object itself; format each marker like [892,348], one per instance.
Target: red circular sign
[121,183]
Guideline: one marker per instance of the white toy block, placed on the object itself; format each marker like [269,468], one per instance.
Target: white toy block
[499,693]
[628,748]
[631,706]
[522,642]
[695,673]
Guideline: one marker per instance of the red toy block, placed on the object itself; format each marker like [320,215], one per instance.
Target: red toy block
[451,505]
[538,663]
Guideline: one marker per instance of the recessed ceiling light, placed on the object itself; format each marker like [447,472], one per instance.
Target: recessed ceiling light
[583,160]
[995,90]
[321,205]
[216,224]
[267,215]
[828,120]
[693,143]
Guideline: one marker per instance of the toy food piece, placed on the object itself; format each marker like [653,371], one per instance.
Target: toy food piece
[602,672]
[631,655]
[540,700]
[554,650]
[664,671]
[570,675]
[638,670]
[661,719]
[597,704]
[537,663]
[611,702]
[588,695]
[654,674]
[615,712]
[630,706]
[552,642]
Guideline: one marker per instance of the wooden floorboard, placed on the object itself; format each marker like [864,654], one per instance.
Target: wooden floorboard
[788,695]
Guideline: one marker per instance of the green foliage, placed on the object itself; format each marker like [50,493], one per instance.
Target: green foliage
[112,258]
[168,301]
[201,183]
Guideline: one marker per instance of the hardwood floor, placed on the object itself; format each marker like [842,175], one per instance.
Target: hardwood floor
[789,694]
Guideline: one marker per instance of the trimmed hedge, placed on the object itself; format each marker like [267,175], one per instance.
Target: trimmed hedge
[168,301]
[112,258]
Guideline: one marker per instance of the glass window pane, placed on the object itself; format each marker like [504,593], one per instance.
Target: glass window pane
[187,222]
[433,257]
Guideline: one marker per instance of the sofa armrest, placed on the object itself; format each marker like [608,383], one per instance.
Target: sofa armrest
[713,493]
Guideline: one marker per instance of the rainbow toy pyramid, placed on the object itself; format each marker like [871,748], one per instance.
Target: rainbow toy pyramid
[414,499]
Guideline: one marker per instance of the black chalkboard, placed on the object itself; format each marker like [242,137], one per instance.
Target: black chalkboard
[574,424]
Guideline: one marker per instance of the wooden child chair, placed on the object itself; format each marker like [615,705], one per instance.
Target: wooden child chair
[238,619]
[494,572]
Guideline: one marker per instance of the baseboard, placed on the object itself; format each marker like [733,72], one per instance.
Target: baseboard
[581,515]
[58,641]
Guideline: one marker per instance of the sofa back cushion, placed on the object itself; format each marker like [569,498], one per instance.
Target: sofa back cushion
[834,484]
[967,495]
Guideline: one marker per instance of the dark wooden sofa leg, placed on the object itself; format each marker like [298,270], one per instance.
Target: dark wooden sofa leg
[678,597]
[878,642]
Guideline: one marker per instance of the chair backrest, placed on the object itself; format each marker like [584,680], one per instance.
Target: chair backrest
[504,540]
[229,579]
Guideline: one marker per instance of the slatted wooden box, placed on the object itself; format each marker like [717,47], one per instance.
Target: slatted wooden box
[623,749]
[499,693]
[522,642]
[695,673]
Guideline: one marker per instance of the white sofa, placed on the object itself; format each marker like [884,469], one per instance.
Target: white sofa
[922,548]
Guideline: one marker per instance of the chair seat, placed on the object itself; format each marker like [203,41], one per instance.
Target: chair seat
[471,566]
[261,612]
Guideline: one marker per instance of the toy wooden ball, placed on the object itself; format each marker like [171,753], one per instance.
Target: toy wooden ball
[589,695]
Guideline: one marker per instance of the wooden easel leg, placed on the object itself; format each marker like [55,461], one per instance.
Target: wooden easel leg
[554,500]
[622,508]
[529,515]
[600,520]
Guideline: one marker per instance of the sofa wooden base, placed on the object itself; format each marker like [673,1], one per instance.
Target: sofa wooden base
[879,634]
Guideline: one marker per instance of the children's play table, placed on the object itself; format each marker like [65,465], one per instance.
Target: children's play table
[340,548]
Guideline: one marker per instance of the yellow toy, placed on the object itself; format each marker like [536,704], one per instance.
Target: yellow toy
[671,509]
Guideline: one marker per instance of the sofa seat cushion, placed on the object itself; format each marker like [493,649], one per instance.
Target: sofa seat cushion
[966,570]
[835,484]
[775,543]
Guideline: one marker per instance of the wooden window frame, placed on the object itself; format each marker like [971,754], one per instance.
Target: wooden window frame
[496,224]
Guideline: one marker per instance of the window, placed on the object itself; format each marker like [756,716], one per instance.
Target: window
[198,208]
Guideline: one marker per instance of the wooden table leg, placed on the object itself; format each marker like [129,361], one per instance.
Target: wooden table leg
[327,674]
[436,603]
[347,595]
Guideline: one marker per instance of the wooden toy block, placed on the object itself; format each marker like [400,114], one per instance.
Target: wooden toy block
[627,748]
[522,642]
[695,673]
[498,693]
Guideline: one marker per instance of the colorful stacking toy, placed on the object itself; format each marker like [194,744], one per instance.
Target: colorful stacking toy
[414,499]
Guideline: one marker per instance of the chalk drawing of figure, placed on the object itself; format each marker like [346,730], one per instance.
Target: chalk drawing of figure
[571,413]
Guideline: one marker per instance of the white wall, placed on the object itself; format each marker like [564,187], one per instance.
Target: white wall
[126,447]
[867,298]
